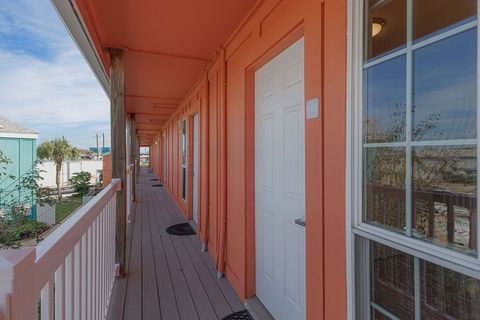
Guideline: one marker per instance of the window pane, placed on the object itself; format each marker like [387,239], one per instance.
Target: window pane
[445,196]
[445,89]
[443,293]
[184,142]
[385,26]
[376,315]
[391,284]
[384,106]
[384,189]
[446,294]
[430,16]
[184,183]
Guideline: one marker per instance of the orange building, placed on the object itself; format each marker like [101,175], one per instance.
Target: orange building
[326,150]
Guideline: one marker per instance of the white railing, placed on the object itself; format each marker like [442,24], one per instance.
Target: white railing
[70,274]
[129,192]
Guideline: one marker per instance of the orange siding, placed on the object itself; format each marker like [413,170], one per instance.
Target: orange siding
[271,27]
[107,169]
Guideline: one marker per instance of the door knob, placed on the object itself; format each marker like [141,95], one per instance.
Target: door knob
[300,222]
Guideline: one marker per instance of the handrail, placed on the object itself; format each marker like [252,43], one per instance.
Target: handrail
[71,271]
[57,245]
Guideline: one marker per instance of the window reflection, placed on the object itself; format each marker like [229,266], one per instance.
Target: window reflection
[429,15]
[391,15]
[384,107]
[445,89]
[446,294]
[184,159]
[384,172]
[392,286]
[376,315]
[445,196]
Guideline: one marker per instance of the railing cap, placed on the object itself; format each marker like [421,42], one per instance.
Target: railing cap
[14,262]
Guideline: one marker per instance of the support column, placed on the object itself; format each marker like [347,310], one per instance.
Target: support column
[133,155]
[119,156]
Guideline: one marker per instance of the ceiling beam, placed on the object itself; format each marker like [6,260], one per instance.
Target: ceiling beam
[162,54]
[136,96]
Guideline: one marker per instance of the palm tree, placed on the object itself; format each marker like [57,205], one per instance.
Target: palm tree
[57,150]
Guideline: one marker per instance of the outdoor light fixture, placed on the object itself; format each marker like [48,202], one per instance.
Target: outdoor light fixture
[377,26]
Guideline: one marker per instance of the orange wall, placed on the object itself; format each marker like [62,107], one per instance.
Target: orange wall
[107,170]
[226,155]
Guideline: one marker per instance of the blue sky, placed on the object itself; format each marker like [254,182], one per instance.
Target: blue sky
[46,85]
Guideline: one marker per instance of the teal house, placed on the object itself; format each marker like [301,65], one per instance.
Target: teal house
[19,145]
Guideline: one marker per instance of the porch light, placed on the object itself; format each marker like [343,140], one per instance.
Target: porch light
[377,26]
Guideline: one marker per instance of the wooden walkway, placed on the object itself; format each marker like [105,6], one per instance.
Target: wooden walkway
[168,277]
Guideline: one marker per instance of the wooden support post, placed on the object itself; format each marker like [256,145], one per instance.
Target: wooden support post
[133,155]
[119,156]
[223,167]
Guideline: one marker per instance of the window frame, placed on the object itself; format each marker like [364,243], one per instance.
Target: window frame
[357,231]
[183,162]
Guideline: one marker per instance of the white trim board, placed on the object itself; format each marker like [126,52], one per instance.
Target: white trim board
[19,135]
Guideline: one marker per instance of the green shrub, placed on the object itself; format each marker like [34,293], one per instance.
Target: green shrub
[15,226]
[81,182]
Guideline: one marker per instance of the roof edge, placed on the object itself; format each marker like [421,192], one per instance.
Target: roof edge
[79,33]
[19,135]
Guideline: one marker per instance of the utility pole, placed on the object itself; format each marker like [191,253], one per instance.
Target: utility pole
[103,142]
[98,153]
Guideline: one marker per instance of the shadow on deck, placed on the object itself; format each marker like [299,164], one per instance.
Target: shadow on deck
[167,276]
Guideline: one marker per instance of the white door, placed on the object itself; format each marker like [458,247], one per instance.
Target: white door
[195,168]
[280,184]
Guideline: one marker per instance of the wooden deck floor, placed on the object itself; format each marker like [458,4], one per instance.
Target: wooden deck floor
[168,277]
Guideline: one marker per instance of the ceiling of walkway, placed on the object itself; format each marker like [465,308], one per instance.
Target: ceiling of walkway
[167,43]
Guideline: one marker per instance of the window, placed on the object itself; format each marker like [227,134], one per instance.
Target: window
[414,161]
[183,128]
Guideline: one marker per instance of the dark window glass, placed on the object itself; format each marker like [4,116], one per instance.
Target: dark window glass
[184,183]
[391,276]
[377,315]
[446,294]
[384,106]
[445,196]
[430,16]
[184,142]
[445,89]
[385,26]
[384,190]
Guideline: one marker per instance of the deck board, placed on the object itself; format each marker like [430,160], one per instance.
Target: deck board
[167,276]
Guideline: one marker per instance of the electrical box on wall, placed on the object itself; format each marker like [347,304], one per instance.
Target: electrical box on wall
[312,109]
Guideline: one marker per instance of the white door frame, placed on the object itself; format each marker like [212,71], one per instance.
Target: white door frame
[195,166]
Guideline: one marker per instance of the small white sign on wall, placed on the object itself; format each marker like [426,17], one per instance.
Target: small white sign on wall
[312,109]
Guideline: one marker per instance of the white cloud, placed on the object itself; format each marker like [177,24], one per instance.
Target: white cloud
[56,95]
[37,91]
[32,18]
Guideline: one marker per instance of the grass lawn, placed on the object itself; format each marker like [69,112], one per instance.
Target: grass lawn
[66,207]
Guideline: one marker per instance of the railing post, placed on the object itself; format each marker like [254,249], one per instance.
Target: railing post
[17,298]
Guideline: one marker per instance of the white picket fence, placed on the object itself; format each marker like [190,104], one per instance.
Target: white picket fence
[70,274]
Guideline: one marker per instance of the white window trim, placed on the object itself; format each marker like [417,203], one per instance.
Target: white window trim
[353,194]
